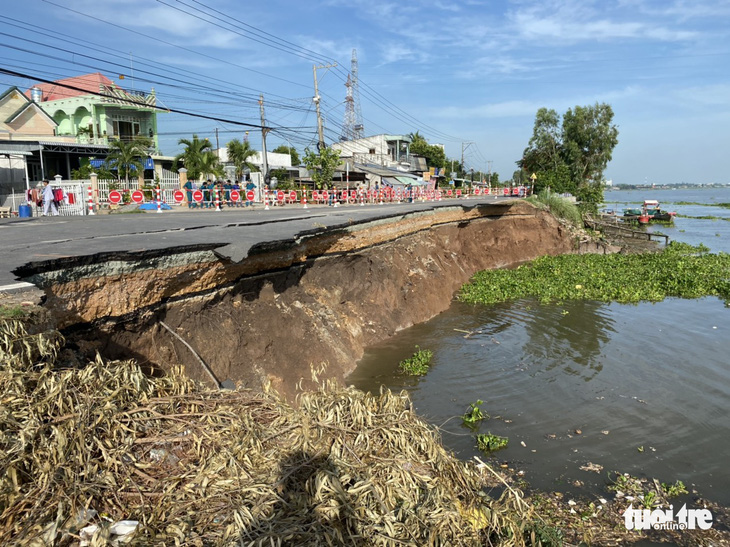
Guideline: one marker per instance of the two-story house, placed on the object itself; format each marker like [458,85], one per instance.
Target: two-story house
[94,109]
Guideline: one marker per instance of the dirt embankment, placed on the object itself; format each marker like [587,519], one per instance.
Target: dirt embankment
[321,298]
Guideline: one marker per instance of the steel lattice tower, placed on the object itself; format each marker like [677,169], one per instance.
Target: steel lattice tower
[353,127]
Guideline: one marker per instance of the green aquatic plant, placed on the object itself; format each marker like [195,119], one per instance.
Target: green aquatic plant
[680,270]
[486,442]
[473,415]
[418,364]
[704,217]
[724,205]
[674,490]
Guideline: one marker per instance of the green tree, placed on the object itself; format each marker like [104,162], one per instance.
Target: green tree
[127,156]
[589,138]
[210,165]
[435,155]
[322,166]
[85,169]
[192,156]
[239,154]
[571,157]
[284,149]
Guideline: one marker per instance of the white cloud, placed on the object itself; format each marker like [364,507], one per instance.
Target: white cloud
[572,22]
[707,95]
[496,110]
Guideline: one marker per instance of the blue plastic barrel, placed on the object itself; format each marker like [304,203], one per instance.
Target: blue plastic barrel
[24,211]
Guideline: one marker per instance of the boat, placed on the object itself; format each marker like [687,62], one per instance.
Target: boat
[651,211]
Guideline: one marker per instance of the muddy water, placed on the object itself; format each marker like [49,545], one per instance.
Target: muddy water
[625,376]
[647,386]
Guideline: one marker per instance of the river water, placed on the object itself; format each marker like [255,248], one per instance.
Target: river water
[647,385]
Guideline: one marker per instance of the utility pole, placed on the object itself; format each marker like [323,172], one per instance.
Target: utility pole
[316,99]
[264,131]
[489,170]
[217,145]
[468,144]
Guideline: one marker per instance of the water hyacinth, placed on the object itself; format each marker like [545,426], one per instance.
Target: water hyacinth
[680,270]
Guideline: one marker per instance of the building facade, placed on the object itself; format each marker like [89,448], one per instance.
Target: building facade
[384,150]
[93,109]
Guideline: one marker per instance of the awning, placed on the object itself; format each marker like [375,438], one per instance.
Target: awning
[18,148]
[148,163]
[4,152]
[408,180]
[392,182]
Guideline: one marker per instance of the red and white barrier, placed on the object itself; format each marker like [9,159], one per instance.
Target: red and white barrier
[91,201]
[159,201]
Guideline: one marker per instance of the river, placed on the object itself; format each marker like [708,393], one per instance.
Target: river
[642,389]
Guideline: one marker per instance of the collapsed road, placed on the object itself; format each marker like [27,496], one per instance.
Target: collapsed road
[256,296]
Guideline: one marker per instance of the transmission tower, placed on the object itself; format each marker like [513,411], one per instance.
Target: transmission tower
[353,128]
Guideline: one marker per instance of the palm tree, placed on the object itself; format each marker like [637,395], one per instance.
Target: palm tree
[125,156]
[192,158]
[239,153]
[210,164]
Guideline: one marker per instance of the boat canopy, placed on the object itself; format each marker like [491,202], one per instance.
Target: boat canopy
[651,203]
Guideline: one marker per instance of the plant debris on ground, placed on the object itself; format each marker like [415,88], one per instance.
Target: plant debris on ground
[96,453]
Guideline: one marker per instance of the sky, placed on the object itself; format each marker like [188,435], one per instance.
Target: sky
[468,74]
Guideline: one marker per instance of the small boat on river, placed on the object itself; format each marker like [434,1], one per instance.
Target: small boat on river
[650,211]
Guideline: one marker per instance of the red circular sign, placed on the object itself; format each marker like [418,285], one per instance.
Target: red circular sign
[198,196]
[138,196]
[115,197]
[506,191]
[178,196]
[235,195]
[280,196]
[477,191]
[250,195]
[293,195]
[449,193]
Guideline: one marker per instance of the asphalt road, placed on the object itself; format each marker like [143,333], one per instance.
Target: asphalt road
[236,230]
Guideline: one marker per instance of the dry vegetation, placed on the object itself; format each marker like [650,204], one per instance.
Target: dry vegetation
[83,448]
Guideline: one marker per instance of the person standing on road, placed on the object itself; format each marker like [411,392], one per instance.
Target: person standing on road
[250,186]
[189,194]
[49,203]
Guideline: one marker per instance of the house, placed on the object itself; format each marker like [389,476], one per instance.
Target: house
[383,150]
[22,123]
[22,118]
[50,126]
[94,109]
[274,161]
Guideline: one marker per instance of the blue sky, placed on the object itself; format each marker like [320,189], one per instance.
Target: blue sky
[469,75]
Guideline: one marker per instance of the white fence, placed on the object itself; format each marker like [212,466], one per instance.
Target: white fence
[73,203]
[169,182]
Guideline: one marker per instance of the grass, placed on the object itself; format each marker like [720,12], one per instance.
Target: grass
[558,206]
[11,312]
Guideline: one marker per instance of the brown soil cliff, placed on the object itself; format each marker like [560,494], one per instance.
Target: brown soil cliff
[320,300]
